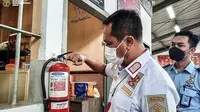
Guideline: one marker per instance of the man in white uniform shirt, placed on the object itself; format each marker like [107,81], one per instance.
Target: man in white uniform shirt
[139,83]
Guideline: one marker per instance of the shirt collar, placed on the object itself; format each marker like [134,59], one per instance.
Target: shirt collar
[190,68]
[134,67]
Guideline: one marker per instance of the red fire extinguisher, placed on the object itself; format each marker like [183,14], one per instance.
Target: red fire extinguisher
[58,85]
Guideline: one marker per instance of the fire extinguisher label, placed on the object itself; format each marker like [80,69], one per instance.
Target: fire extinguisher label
[59,105]
[58,84]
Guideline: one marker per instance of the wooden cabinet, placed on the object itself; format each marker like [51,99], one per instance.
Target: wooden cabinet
[9,16]
[85,35]
[85,104]
[6,82]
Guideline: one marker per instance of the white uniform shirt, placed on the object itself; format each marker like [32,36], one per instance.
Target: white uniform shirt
[143,86]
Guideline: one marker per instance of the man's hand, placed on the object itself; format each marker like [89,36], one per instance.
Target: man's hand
[76,58]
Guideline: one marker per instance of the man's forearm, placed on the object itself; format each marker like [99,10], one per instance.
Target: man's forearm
[96,66]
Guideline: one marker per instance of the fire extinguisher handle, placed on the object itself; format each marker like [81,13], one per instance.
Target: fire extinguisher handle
[59,56]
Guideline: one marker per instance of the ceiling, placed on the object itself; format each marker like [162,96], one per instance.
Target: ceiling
[187,18]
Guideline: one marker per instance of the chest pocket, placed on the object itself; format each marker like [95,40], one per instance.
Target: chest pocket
[122,101]
[188,92]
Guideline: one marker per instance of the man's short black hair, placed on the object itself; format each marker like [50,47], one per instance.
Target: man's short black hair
[193,39]
[125,22]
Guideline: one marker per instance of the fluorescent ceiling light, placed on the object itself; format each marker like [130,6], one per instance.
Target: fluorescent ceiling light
[177,29]
[170,12]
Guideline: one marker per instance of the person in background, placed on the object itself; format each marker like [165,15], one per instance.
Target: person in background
[183,72]
[139,83]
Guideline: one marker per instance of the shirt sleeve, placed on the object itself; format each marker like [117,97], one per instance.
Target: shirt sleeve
[110,70]
[164,99]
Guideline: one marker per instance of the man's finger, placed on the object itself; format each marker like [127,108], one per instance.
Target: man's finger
[77,63]
[70,56]
[76,59]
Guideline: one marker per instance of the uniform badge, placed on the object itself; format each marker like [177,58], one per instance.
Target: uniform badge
[192,76]
[127,90]
[115,77]
[190,81]
[135,67]
[157,103]
[132,82]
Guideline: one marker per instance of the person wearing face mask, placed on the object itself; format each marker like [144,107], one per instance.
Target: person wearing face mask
[183,72]
[139,83]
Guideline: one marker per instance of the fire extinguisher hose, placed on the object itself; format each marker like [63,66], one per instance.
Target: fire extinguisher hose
[45,99]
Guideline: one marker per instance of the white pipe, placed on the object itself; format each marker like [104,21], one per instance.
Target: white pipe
[64,26]
[17,52]
[15,30]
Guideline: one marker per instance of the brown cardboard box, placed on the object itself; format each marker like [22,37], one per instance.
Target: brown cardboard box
[85,104]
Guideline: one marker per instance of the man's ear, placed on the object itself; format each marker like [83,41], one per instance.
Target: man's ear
[193,50]
[130,41]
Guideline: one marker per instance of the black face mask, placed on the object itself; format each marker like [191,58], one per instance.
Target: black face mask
[176,54]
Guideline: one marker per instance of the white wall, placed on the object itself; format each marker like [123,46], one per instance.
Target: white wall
[51,26]
[110,6]
[54,27]
[146,23]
